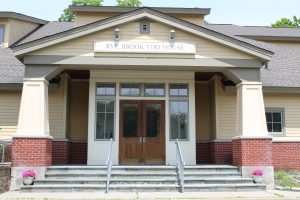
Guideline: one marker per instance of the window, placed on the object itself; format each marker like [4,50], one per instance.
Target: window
[105,119]
[105,110]
[106,89]
[144,27]
[130,89]
[275,120]
[179,90]
[154,89]
[2,32]
[179,111]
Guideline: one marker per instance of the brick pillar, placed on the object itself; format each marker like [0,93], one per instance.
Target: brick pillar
[31,152]
[61,152]
[252,146]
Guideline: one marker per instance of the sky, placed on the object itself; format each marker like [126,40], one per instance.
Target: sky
[239,12]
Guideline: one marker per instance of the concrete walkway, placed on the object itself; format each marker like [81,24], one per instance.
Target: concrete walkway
[156,195]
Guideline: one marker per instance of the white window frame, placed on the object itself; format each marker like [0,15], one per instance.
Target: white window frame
[178,98]
[3,38]
[105,98]
[282,112]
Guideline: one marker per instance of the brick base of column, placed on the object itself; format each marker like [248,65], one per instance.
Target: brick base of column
[60,152]
[31,152]
[252,151]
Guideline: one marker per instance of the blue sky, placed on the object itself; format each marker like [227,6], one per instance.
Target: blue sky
[240,12]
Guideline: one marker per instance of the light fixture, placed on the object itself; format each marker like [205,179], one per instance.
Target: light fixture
[117,35]
[172,35]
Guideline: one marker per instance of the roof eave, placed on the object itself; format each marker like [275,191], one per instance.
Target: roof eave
[19,16]
[116,9]
[271,38]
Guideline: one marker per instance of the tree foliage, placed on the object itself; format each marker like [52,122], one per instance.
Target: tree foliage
[287,23]
[69,16]
[129,3]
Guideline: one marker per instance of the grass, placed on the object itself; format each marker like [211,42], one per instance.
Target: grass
[283,178]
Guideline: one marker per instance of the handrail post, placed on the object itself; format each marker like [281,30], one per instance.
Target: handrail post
[3,153]
[180,166]
[109,165]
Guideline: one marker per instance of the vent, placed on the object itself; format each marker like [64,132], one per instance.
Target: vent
[145,27]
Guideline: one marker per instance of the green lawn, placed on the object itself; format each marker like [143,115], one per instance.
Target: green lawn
[285,179]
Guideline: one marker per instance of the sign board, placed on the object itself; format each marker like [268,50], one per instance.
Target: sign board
[145,47]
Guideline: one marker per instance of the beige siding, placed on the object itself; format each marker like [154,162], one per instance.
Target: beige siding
[291,104]
[57,110]
[293,44]
[19,28]
[9,112]
[84,46]
[195,19]
[203,116]
[79,97]
[83,18]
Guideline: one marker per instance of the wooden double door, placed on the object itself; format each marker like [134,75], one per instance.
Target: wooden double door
[142,132]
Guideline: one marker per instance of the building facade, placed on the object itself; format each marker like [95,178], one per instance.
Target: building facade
[146,77]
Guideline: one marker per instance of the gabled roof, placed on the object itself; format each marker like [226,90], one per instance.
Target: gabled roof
[23,48]
[14,15]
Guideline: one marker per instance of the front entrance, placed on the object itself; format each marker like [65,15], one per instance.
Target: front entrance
[142,132]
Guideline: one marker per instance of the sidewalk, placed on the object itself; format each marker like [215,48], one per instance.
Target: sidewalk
[156,195]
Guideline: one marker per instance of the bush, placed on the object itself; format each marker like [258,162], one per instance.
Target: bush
[285,180]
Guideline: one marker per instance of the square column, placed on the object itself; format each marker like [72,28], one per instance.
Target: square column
[252,147]
[32,144]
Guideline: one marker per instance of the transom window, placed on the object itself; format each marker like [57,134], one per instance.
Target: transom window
[155,89]
[131,89]
[179,90]
[1,34]
[106,89]
[275,120]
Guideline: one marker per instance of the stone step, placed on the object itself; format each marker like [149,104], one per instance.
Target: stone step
[142,175]
[144,188]
[145,181]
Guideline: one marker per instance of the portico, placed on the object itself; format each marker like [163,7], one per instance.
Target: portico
[144,98]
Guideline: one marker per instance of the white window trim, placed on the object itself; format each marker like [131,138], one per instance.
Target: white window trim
[2,42]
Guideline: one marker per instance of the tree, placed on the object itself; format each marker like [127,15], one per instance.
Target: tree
[287,23]
[69,16]
[129,3]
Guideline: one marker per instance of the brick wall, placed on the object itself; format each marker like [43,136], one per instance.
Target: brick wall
[203,152]
[252,152]
[221,152]
[78,153]
[60,152]
[286,155]
[214,152]
[31,152]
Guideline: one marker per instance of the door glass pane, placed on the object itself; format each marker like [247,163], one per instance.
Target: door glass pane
[174,119]
[179,119]
[130,119]
[153,120]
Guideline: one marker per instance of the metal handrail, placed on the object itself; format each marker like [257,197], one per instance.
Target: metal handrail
[180,166]
[109,165]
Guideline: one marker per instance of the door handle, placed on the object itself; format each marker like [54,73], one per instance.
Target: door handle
[144,140]
[140,140]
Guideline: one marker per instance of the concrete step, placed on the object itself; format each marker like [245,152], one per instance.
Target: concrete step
[188,181]
[145,188]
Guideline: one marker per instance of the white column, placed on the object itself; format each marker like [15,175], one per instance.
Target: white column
[251,120]
[34,115]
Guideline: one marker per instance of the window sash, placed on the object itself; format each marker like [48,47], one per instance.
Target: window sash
[2,33]
[108,88]
[105,114]
[181,133]
[271,122]
[130,87]
[155,87]
[179,90]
